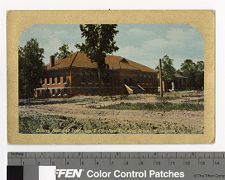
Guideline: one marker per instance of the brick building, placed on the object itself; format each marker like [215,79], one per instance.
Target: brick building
[78,75]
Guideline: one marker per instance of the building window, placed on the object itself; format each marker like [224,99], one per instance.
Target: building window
[43,81]
[138,78]
[58,91]
[48,79]
[96,75]
[91,77]
[53,80]
[58,79]
[64,79]
[83,77]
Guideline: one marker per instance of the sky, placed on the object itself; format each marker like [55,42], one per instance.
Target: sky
[143,43]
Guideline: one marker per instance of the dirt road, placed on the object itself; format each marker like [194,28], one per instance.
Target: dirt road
[87,110]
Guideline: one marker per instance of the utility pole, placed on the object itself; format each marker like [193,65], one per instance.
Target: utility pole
[160,78]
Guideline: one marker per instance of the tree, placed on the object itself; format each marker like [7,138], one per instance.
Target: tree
[188,69]
[199,75]
[188,66]
[168,70]
[30,68]
[63,52]
[193,72]
[200,66]
[99,41]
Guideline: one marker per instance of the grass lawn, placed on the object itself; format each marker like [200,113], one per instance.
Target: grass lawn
[156,106]
[48,124]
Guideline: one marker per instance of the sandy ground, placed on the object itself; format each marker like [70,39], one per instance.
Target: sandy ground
[84,108]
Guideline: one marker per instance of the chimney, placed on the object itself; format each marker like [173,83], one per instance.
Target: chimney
[52,61]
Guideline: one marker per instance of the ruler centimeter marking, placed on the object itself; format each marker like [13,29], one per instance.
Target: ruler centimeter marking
[65,158]
[118,155]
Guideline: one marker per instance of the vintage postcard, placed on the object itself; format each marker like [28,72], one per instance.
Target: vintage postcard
[111,77]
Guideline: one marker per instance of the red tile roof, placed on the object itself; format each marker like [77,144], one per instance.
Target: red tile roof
[80,59]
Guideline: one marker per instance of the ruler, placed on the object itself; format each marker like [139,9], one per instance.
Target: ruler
[125,165]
